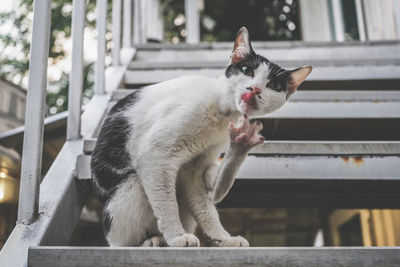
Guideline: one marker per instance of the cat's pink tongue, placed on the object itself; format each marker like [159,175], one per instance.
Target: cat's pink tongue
[249,98]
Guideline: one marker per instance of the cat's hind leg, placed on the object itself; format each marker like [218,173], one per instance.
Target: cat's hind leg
[129,219]
[155,241]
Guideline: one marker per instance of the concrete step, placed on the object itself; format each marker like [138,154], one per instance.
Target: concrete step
[309,174]
[255,256]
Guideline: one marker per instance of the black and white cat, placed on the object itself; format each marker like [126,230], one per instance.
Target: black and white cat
[155,163]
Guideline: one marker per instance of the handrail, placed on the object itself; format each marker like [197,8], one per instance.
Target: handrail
[34,122]
[76,75]
[33,139]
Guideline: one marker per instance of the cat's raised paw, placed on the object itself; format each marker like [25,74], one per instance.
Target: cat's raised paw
[185,240]
[233,241]
[245,134]
[155,241]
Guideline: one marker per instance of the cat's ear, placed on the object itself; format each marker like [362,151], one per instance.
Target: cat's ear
[297,77]
[242,46]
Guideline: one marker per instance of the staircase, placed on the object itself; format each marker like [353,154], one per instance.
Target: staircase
[326,148]
[336,144]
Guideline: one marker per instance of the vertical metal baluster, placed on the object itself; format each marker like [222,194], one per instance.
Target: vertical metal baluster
[338,20]
[127,27]
[137,22]
[99,83]
[35,107]
[116,31]
[360,20]
[76,75]
[192,21]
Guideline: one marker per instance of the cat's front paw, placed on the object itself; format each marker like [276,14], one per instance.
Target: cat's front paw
[185,240]
[233,241]
[245,134]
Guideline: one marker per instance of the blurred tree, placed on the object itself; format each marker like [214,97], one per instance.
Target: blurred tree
[174,20]
[273,20]
[15,46]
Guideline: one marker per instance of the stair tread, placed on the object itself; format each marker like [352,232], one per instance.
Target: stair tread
[317,167]
[274,51]
[336,110]
[295,147]
[220,64]
[259,256]
[327,73]
[316,95]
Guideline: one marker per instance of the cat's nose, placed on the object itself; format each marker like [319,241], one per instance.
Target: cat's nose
[255,90]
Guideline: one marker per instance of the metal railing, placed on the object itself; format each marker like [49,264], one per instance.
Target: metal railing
[34,127]
[33,138]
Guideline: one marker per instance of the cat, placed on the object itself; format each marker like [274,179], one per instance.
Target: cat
[155,162]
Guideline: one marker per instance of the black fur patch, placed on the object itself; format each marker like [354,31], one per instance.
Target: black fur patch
[251,60]
[110,163]
[277,74]
[107,221]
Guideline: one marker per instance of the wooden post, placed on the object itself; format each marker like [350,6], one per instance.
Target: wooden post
[33,138]
[76,75]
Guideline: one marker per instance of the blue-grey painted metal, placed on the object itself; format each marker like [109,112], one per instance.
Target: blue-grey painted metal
[33,139]
[192,14]
[361,20]
[137,22]
[61,197]
[116,31]
[99,82]
[338,22]
[127,26]
[253,256]
[76,75]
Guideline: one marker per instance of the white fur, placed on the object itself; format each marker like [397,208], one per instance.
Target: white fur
[179,129]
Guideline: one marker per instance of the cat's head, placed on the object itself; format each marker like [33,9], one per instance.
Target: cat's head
[260,86]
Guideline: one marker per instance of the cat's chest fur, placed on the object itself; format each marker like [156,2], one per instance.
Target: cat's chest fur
[179,118]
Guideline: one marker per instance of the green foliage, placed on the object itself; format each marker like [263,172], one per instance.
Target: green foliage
[174,24]
[274,20]
[266,20]
[14,56]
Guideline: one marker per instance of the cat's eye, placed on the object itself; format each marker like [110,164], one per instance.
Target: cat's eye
[276,86]
[247,71]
